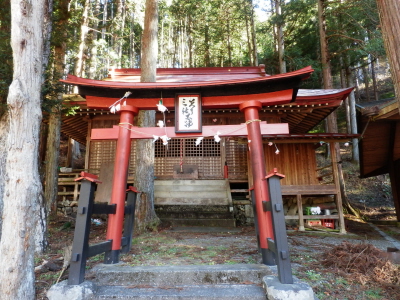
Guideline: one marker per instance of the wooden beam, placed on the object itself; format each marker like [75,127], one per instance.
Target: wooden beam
[232,101]
[339,203]
[394,170]
[394,173]
[208,131]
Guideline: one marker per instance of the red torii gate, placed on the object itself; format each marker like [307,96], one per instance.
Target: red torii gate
[248,89]
[125,132]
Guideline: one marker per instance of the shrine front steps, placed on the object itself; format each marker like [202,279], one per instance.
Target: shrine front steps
[241,281]
[195,282]
[194,202]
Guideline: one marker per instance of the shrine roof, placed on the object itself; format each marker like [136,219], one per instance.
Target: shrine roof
[219,87]
[379,110]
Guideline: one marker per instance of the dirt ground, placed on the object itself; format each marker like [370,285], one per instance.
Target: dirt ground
[337,267]
[311,252]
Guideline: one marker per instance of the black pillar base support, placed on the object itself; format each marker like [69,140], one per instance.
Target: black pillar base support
[112,257]
[268,257]
[279,245]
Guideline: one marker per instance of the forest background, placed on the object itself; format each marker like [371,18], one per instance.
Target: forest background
[88,38]
[95,36]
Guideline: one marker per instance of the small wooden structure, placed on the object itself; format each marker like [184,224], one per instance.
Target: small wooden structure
[221,90]
[379,125]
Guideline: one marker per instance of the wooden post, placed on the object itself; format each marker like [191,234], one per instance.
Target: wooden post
[122,155]
[337,186]
[394,172]
[250,109]
[82,230]
[300,212]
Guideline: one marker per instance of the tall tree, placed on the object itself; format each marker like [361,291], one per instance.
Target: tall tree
[21,193]
[53,102]
[144,179]
[280,36]
[389,13]
[331,122]
[80,57]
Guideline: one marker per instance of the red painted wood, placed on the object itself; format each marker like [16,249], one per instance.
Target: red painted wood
[257,160]
[115,221]
[148,132]
[274,98]
[176,83]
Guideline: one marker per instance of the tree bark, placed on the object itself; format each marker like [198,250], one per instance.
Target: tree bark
[21,192]
[144,182]
[52,157]
[119,21]
[80,57]
[93,72]
[374,82]
[390,23]
[353,117]
[249,43]
[325,59]
[253,34]
[280,37]
[366,82]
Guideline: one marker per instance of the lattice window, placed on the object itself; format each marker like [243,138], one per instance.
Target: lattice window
[166,157]
[207,156]
[104,151]
[236,158]
[101,152]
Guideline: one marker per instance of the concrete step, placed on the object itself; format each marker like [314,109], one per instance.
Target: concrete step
[201,222]
[193,215]
[240,282]
[191,192]
[167,276]
[213,182]
[190,199]
[182,208]
[193,292]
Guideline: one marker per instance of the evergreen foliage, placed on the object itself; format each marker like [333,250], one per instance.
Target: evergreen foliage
[6,64]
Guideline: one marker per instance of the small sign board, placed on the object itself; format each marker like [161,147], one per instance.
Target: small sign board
[187,113]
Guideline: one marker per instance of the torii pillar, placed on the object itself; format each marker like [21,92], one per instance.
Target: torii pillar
[257,160]
[123,151]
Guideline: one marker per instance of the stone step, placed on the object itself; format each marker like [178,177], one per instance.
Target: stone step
[165,276]
[190,208]
[240,282]
[193,292]
[193,215]
[191,192]
[190,199]
[201,222]
[213,182]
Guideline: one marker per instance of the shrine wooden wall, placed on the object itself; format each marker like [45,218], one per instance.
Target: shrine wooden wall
[209,156]
[296,161]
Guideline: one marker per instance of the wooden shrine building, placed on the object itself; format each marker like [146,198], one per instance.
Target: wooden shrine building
[379,125]
[196,179]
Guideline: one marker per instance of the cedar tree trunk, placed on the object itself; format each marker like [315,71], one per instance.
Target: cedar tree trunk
[145,215]
[389,13]
[22,226]
[331,120]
